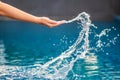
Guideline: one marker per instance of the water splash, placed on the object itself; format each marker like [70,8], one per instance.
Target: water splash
[59,67]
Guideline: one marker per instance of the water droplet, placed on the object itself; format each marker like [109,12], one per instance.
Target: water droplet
[107,53]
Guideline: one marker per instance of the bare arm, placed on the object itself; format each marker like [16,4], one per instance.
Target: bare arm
[12,12]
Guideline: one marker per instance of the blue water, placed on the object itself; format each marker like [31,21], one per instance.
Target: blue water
[27,44]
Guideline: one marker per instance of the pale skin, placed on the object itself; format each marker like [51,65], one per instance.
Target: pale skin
[15,13]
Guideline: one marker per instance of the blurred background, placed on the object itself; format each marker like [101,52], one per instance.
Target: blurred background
[28,45]
[67,9]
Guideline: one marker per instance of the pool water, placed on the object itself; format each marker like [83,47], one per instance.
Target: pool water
[26,49]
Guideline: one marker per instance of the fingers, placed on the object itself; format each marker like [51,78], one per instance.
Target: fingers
[49,22]
[61,22]
[52,21]
[57,23]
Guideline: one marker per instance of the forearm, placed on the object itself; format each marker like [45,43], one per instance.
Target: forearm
[12,12]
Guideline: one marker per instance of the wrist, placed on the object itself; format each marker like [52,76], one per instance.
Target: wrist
[38,20]
[35,20]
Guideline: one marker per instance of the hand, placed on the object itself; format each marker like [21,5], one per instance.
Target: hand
[48,22]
